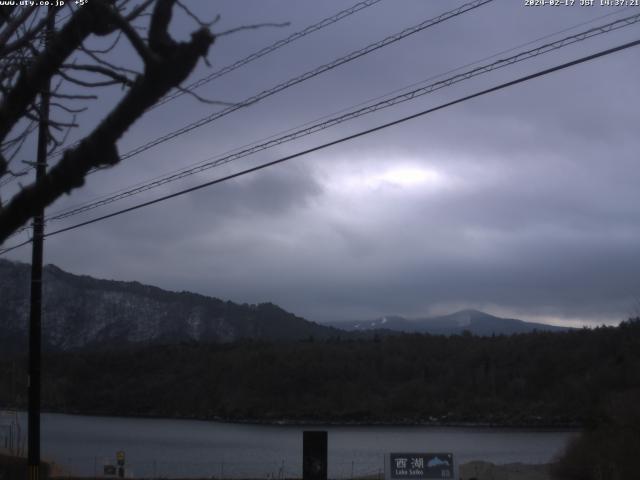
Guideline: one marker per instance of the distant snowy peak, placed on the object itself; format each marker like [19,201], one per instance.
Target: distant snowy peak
[387,322]
[464,317]
[474,321]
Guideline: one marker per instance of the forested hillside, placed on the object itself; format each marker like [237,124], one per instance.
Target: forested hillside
[84,312]
[530,379]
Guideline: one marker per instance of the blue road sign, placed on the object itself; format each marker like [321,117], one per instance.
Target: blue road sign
[421,466]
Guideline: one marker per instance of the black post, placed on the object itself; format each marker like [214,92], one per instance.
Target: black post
[35,317]
[314,455]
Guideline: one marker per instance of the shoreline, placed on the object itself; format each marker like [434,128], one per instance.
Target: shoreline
[307,422]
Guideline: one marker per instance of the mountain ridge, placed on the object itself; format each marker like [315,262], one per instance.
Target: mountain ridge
[80,311]
[470,320]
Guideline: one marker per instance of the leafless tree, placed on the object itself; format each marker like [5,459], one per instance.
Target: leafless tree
[70,63]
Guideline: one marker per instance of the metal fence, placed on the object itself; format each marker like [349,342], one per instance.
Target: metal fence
[12,441]
[94,467]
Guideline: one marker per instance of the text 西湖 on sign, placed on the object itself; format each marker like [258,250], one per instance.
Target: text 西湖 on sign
[419,466]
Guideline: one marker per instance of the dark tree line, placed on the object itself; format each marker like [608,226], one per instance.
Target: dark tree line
[529,379]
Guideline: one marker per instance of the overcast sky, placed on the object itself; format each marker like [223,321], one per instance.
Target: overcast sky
[524,202]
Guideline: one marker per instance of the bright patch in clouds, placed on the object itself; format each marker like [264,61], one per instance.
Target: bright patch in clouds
[408,177]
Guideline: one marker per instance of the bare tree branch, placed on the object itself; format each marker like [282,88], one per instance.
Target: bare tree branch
[136,41]
[159,39]
[195,17]
[111,46]
[67,108]
[116,78]
[74,96]
[31,80]
[251,27]
[202,99]
[96,57]
[28,37]
[169,64]
[138,10]
[87,84]
[13,25]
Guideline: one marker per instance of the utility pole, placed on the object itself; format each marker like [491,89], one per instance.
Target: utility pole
[35,316]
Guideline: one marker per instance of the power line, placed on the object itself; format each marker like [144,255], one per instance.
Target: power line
[388,94]
[305,76]
[539,50]
[7,250]
[470,64]
[243,61]
[260,53]
[353,55]
[308,75]
[496,88]
[266,50]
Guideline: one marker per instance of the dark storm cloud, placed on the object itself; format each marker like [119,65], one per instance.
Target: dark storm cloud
[524,202]
[272,192]
[160,231]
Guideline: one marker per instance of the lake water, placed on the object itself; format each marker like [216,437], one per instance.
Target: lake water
[170,448]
